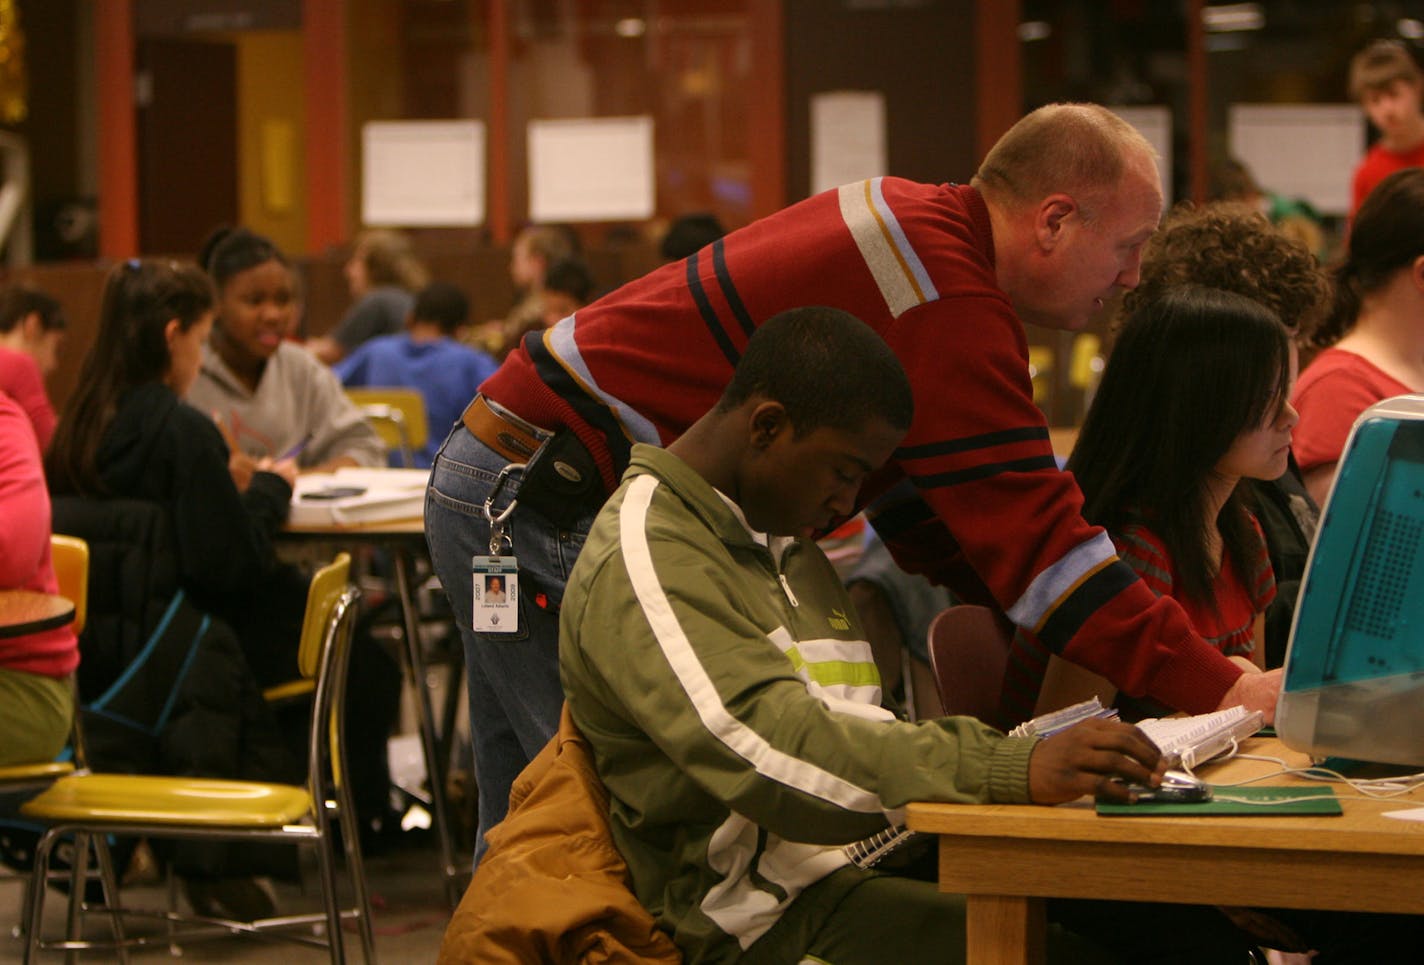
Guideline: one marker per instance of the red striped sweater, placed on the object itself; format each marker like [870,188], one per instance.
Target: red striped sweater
[973,498]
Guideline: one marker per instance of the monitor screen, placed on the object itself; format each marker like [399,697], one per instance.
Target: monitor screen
[1354,671]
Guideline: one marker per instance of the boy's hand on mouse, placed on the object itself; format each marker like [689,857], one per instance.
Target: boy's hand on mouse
[1087,758]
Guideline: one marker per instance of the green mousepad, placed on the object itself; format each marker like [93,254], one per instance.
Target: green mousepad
[1248,800]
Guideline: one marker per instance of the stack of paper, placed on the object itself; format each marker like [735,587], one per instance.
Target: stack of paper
[351,496]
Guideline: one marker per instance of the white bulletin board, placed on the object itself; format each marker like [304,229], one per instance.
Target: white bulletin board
[423,173]
[591,169]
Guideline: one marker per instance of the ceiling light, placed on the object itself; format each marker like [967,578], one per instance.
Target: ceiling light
[1222,17]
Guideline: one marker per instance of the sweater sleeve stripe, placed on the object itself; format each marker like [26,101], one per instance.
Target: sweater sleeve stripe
[896,268]
[1061,580]
[561,367]
[1067,619]
[729,291]
[985,471]
[768,761]
[708,313]
[951,446]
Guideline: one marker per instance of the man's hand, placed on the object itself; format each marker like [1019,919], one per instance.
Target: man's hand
[1086,757]
[1255,691]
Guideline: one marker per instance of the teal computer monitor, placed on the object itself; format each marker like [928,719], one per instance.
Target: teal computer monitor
[1354,670]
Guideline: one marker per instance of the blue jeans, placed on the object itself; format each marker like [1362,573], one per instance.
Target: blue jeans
[513,678]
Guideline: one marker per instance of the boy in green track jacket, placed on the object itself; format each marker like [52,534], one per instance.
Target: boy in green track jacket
[721,677]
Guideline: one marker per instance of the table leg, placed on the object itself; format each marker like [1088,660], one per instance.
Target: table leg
[434,767]
[1005,930]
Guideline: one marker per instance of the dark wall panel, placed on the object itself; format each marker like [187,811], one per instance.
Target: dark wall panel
[919,53]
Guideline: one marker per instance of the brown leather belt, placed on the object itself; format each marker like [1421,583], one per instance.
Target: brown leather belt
[505,436]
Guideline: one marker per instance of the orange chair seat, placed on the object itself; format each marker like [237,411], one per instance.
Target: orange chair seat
[180,801]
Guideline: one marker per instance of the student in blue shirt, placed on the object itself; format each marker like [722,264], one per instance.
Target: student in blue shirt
[426,357]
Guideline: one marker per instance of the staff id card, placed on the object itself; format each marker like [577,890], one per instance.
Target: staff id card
[496,586]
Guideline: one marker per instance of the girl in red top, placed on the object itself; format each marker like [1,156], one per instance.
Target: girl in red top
[1374,335]
[1193,400]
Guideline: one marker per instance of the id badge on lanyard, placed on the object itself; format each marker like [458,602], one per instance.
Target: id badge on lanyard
[496,576]
[496,594]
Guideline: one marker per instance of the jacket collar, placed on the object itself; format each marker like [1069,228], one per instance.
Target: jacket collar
[716,510]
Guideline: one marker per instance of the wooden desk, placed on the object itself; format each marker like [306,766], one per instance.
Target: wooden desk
[1006,859]
[402,538]
[30,611]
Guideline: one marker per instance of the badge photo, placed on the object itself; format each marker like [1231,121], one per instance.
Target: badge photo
[496,595]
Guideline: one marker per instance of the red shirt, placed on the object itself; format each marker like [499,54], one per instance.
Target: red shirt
[1330,395]
[1379,163]
[24,545]
[973,498]
[20,379]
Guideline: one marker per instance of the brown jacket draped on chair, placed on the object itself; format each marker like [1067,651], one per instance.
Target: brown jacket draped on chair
[552,887]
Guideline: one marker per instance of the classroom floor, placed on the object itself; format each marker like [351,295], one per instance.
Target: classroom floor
[408,911]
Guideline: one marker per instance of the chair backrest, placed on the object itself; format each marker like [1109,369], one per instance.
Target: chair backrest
[325,654]
[326,588]
[398,415]
[70,557]
[969,651]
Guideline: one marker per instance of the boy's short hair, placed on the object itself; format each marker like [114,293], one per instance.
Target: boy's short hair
[827,367]
[1380,64]
[443,304]
[17,302]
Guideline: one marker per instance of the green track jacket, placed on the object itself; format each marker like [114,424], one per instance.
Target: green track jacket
[724,684]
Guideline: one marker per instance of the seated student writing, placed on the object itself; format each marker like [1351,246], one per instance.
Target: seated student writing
[425,357]
[127,434]
[712,660]
[272,398]
[1193,400]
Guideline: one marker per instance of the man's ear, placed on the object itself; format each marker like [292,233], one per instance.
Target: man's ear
[1051,218]
[768,420]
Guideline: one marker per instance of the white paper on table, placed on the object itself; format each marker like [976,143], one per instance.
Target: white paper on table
[1409,814]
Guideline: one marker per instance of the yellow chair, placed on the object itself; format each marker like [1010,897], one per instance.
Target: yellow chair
[1040,370]
[70,557]
[398,415]
[91,806]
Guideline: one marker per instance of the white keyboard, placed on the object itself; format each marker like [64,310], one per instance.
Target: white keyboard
[1195,740]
